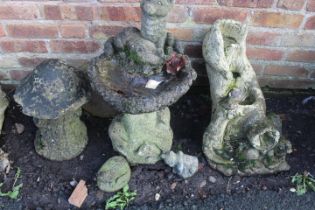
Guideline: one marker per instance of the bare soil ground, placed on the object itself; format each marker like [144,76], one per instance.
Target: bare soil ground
[46,184]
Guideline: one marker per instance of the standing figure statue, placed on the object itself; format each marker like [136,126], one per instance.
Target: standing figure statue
[240,139]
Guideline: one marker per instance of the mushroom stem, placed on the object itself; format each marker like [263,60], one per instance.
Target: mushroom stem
[61,139]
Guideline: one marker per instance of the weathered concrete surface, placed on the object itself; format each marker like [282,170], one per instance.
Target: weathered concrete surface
[61,139]
[114,174]
[51,90]
[240,139]
[127,93]
[142,138]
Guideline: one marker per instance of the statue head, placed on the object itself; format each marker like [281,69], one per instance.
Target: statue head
[157,8]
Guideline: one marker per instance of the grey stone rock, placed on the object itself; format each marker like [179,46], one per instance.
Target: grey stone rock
[114,174]
[4,162]
[240,139]
[4,103]
[182,164]
[142,138]
[53,94]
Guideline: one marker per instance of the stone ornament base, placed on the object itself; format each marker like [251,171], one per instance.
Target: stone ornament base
[142,138]
[61,139]
[240,139]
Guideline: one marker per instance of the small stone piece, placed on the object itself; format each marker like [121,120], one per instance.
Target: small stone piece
[183,165]
[79,194]
[19,128]
[4,162]
[212,179]
[114,174]
[142,138]
[4,103]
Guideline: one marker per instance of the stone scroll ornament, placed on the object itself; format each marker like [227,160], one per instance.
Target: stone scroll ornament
[141,73]
[240,139]
[53,95]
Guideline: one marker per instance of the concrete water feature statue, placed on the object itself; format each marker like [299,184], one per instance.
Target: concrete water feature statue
[130,76]
[53,95]
[141,73]
[240,139]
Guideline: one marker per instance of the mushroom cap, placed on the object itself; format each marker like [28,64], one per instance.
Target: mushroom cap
[51,90]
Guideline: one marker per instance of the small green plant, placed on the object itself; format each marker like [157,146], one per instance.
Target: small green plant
[121,199]
[303,182]
[14,193]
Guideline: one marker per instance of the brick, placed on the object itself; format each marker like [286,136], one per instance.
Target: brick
[210,14]
[179,16]
[73,30]
[4,75]
[298,39]
[11,46]
[18,11]
[2,32]
[301,56]
[310,5]
[276,20]
[258,68]
[19,74]
[84,13]
[119,13]
[182,33]
[30,62]
[263,38]
[194,51]
[291,4]
[205,2]
[79,194]
[103,32]
[118,1]
[70,12]
[310,23]
[65,46]
[264,54]
[281,70]
[52,12]
[247,3]
[32,31]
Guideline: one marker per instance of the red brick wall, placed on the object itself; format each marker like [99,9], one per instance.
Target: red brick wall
[281,41]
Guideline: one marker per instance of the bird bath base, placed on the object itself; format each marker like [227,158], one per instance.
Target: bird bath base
[142,138]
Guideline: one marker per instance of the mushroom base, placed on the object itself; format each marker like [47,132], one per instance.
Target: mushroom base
[61,139]
[142,138]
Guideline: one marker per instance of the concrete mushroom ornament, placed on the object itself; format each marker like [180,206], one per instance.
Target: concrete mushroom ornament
[53,95]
